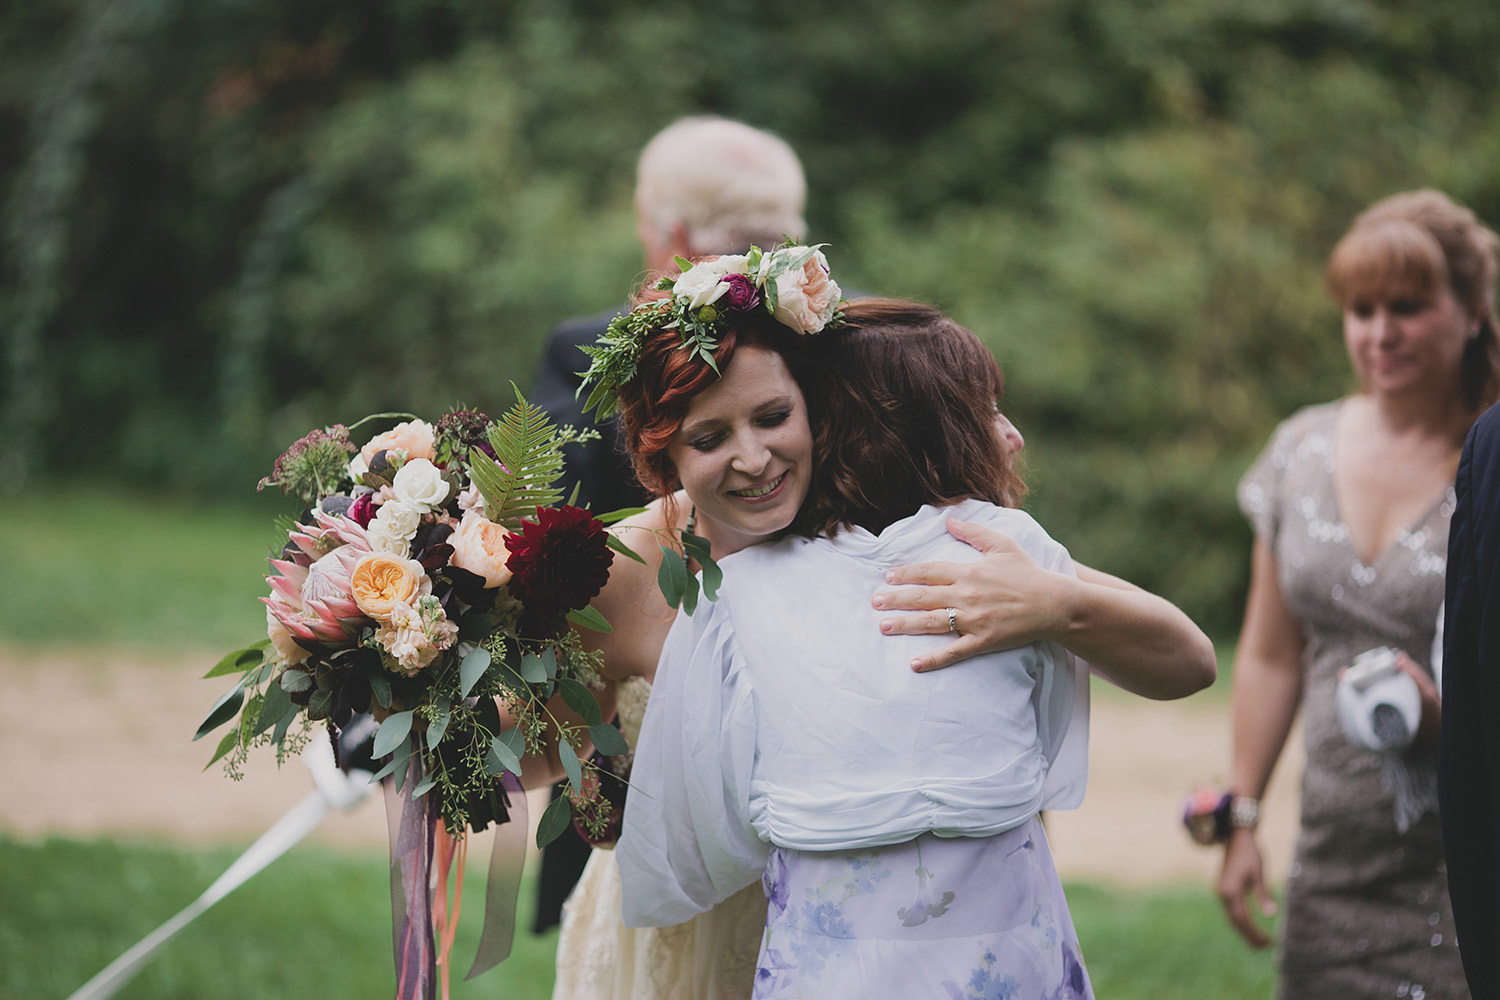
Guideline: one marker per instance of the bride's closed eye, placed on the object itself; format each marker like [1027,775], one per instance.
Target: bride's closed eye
[706,442]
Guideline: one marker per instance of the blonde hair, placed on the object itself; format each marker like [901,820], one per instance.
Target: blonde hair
[1412,246]
[729,185]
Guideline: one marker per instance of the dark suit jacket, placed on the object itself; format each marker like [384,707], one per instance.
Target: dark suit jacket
[1469,755]
[600,468]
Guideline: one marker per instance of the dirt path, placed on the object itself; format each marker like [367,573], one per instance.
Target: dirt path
[99,743]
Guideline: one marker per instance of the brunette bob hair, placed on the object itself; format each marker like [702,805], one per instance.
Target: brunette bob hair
[903,415]
[654,404]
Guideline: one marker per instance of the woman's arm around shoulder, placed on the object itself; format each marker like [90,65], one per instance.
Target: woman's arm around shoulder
[1137,640]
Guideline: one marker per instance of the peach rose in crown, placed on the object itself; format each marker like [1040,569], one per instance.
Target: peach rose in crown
[415,437]
[479,547]
[807,298]
[381,581]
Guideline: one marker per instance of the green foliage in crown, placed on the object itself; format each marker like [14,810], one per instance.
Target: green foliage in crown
[791,283]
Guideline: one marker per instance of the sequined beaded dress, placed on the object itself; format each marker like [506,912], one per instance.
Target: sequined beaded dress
[1367,911]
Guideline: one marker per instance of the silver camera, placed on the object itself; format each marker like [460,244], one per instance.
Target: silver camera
[1379,706]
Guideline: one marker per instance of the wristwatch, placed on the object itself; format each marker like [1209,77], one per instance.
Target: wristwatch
[1244,812]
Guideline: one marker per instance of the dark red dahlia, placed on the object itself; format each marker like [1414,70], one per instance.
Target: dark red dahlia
[558,563]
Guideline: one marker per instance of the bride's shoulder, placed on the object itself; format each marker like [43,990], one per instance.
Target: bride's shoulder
[644,534]
[631,601]
[641,532]
[1029,533]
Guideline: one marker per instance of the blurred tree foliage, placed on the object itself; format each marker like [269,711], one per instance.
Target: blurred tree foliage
[227,221]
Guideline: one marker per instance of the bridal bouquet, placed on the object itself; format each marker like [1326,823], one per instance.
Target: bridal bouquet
[430,581]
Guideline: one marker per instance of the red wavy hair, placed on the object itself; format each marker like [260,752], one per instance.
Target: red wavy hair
[654,404]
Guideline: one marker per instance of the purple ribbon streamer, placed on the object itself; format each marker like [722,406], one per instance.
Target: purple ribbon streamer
[412,826]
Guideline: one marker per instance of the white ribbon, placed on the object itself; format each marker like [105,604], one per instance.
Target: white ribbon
[335,789]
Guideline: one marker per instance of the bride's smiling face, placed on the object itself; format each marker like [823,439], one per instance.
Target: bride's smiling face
[744,450]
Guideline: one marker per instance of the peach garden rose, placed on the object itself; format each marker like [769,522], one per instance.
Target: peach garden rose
[380,581]
[415,437]
[479,547]
[807,298]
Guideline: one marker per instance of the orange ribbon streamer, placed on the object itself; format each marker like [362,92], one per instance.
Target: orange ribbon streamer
[450,852]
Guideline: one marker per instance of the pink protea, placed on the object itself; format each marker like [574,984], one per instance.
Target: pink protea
[312,542]
[310,588]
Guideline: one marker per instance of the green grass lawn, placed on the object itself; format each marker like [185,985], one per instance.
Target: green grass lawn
[317,924]
[84,567]
[1165,943]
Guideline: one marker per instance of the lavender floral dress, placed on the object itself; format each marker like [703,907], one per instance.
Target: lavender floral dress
[949,918]
[1367,911]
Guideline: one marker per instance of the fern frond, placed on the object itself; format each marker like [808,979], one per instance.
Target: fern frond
[528,461]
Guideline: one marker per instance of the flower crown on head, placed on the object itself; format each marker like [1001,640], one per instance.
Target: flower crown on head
[790,282]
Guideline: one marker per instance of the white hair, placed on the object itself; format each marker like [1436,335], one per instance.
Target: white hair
[729,185]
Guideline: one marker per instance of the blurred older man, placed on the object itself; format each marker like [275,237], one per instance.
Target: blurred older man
[703,186]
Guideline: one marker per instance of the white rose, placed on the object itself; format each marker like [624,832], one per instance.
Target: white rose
[702,284]
[399,518]
[421,484]
[806,297]
[383,539]
[357,468]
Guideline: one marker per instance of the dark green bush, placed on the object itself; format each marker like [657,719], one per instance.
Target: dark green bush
[228,222]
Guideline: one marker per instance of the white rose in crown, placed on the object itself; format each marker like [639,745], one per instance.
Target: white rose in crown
[806,297]
[420,484]
[703,284]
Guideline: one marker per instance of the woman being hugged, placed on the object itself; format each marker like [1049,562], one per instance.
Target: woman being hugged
[720,422]
[1350,503]
[892,816]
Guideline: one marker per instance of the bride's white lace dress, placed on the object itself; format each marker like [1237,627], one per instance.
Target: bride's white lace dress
[711,957]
